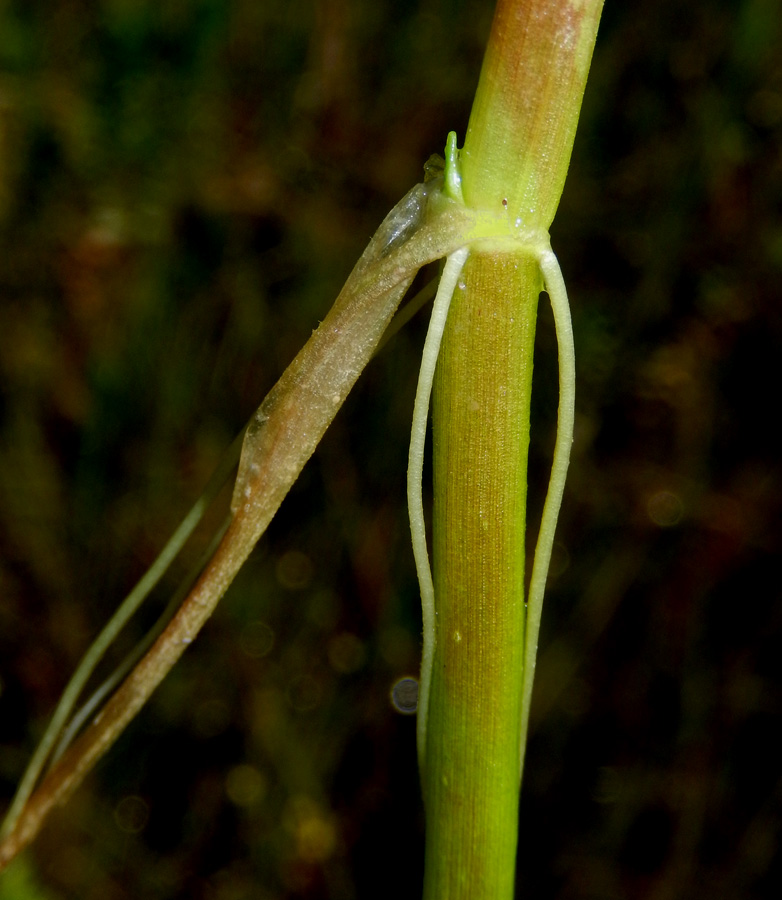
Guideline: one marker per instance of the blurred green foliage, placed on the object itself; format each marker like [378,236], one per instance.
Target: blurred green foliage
[183,188]
[19,882]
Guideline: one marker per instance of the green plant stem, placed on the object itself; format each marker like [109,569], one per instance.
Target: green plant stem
[481,428]
[515,158]
[524,117]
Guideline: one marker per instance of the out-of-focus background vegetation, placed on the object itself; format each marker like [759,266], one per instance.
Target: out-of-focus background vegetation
[183,188]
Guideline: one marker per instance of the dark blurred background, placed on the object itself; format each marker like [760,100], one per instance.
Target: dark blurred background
[183,188]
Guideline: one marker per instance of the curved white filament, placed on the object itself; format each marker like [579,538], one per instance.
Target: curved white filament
[451,271]
[555,287]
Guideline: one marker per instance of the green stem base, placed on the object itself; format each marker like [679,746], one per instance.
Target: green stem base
[481,437]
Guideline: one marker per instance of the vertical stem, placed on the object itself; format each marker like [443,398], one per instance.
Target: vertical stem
[481,422]
[526,108]
[515,160]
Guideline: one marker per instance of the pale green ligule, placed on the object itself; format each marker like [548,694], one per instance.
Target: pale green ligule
[453,175]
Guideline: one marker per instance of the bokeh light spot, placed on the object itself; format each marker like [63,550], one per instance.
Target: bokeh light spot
[665,509]
[346,653]
[294,570]
[404,696]
[256,639]
[245,785]
[131,814]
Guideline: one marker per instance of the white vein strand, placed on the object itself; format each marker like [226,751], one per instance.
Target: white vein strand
[448,281]
[555,287]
